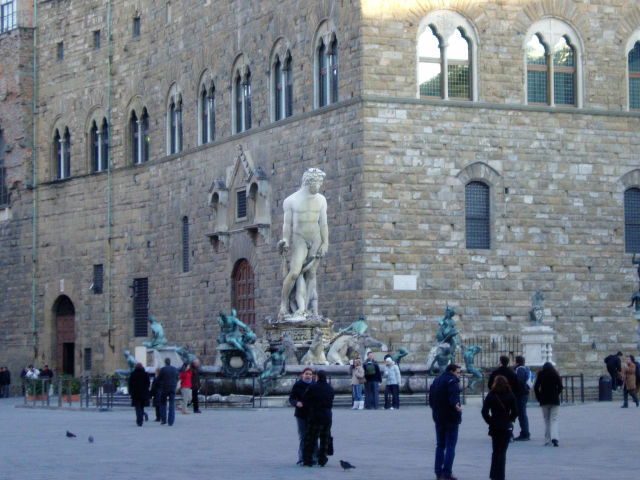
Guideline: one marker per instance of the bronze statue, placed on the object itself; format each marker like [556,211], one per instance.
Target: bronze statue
[447,333]
[123,374]
[358,327]
[238,337]
[469,353]
[157,335]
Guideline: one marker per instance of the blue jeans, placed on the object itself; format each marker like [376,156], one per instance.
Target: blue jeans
[446,439]
[139,412]
[357,392]
[371,395]
[171,396]
[522,415]
[302,431]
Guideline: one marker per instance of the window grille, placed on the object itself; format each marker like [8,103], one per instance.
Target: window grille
[185,244]
[140,307]
[632,220]
[87,359]
[477,215]
[98,279]
[8,16]
[537,71]
[429,64]
[458,53]
[241,204]
[564,73]
[634,77]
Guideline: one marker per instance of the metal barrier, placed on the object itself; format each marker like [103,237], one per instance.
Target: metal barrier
[92,392]
[569,388]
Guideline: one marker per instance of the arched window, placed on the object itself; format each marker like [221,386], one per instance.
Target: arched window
[243,295]
[207,114]
[326,66]
[241,92]
[634,76]
[185,244]
[477,215]
[632,220]
[174,124]
[281,87]
[447,45]
[322,76]
[278,90]
[552,57]
[333,70]
[139,137]
[287,72]
[4,191]
[99,140]
[62,154]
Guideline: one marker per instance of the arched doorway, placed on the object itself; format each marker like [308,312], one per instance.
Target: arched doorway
[64,312]
[243,292]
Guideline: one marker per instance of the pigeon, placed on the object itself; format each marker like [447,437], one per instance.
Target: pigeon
[70,435]
[346,465]
[90,439]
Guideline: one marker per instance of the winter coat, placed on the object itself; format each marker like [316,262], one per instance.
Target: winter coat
[357,375]
[298,391]
[392,374]
[548,387]
[185,379]
[511,377]
[139,386]
[319,399]
[499,410]
[168,378]
[195,378]
[629,374]
[372,377]
[444,395]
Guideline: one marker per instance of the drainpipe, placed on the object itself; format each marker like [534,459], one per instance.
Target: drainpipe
[109,251]
[34,163]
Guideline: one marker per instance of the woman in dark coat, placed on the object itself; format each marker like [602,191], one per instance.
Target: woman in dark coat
[139,391]
[319,400]
[499,411]
[548,388]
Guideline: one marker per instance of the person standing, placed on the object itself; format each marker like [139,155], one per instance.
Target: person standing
[185,388]
[444,400]
[614,367]
[523,374]
[319,399]
[5,381]
[156,394]
[499,410]
[547,389]
[628,376]
[139,391]
[47,374]
[372,378]
[357,379]
[167,384]
[504,370]
[301,413]
[195,384]
[392,374]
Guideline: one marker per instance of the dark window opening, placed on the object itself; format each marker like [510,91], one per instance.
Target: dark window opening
[4,191]
[241,204]
[60,51]
[87,359]
[136,27]
[96,40]
[185,244]
[140,307]
[477,215]
[632,220]
[98,279]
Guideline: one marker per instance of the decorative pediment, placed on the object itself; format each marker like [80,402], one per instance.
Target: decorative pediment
[240,199]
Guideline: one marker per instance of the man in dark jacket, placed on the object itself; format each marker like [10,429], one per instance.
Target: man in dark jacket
[373,378]
[195,385]
[301,413]
[167,384]
[614,367]
[444,399]
[139,391]
[5,381]
[522,374]
[507,373]
[319,401]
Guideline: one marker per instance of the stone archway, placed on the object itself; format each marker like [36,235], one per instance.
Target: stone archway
[64,313]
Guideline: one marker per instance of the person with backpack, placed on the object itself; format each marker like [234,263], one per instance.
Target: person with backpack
[525,380]
[372,378]
[614,366]
[628,376]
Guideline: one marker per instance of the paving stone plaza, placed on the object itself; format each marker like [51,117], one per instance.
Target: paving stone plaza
[261,444]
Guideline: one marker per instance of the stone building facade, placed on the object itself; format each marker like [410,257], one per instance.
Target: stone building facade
[142,208]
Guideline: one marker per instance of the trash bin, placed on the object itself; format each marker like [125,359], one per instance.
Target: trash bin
[604,389]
